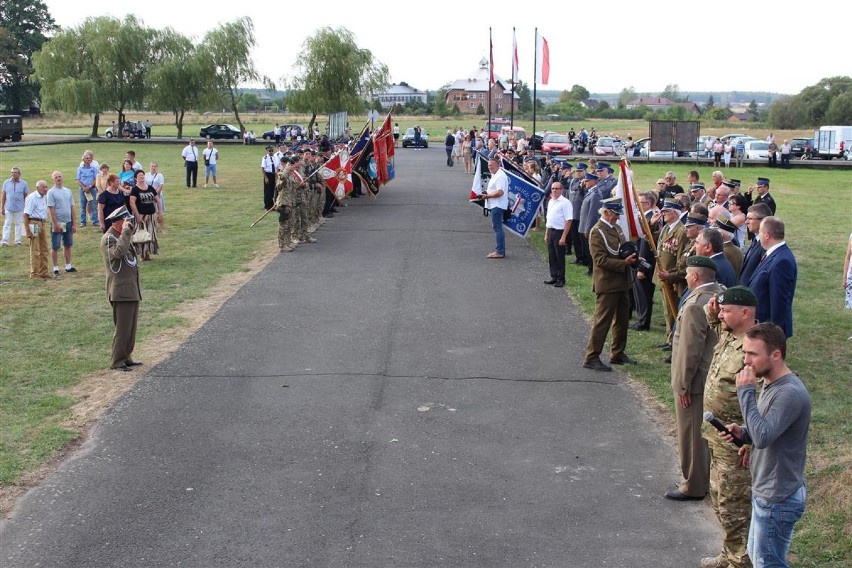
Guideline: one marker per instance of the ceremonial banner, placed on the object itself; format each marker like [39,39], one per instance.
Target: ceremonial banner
[629,221]
[525,199]
[542,54]
[337,174]
[478,185]
[365,168]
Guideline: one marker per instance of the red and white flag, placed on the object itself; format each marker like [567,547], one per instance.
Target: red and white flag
[476,186]
[542,57]
[491,59]
[514,58]
[629,222]
[337,174]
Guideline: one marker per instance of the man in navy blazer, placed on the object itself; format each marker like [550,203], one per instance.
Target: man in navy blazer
[774,279]
[755,216]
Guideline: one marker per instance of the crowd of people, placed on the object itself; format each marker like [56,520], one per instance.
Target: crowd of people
[728,311]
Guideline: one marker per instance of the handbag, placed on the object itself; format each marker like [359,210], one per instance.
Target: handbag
[141,236]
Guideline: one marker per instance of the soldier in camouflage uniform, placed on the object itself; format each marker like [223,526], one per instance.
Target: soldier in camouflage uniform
[731,314]
[300,204]
[284,184]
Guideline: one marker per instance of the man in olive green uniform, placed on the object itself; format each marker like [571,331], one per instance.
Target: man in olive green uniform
[671,245]
[730,314]
[284,185]
[611,285]
[692,352]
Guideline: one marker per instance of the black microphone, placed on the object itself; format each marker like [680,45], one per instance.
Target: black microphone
[708,417]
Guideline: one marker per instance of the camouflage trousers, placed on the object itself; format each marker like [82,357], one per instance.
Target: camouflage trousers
[300,220]
[314,206]
[730,491]
[285,228]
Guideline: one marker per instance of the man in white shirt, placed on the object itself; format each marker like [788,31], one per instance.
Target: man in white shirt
[211,157]
[496,198]
[190,158]
[559,217]
[269,164]
[35,214]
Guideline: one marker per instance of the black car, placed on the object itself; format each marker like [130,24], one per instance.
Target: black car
[270,134]
[800,146]
[220,131]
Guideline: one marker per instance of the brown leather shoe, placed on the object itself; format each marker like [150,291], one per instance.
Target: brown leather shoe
[714,562]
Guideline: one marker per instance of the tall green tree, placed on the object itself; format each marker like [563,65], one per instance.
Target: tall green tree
[229,48]
[786,113]
[672,92]
[333,74]
[627,94]
[524,97]
[181,77]
[99,65]
[840,109]
[24,26]
[816,99]
[579,93]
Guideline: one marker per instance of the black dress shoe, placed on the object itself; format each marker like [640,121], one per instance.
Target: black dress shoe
[663,345]
[597,365]
[551,281]
[559,284]
[123,368]
[676,495]
[623,360]
[132,363]
[666,348]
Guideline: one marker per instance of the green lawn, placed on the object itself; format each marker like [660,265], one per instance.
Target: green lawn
[53,333]
[817,209]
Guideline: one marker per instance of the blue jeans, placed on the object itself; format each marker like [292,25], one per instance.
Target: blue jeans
[771,530]
[92,206]
[496,216]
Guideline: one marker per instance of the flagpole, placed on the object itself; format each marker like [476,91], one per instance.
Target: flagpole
[490,73]
[512,100]
[535,77]
[668,292]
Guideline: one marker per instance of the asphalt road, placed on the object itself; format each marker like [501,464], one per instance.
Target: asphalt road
[386,397]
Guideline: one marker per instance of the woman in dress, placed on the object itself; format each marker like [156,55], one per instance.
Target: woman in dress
[726,152]
[127,175]
[145,206]
[109,200]
[468,156]
[737,204]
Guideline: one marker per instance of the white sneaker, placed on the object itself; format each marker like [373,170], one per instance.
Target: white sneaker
[215,185]
[205,186]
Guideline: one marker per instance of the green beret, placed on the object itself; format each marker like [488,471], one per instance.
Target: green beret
[737,296]
[701,262]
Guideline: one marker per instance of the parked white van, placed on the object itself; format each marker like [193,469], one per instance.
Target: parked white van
[832,141]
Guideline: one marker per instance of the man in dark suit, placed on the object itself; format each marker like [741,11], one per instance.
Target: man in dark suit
[611,286]
[709,243]
[122,286]
[774,279]
[756,214]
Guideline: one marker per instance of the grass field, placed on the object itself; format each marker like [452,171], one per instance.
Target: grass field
[55,333]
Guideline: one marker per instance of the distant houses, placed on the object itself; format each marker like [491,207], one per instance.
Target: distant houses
[469,93]
[661,103]
[400,94]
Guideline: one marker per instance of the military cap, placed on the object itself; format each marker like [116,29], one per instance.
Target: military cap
[268,148]
[610,170]
[736,182]
[601,166]
[613,204]
[729,183]
[120,213]
[581,166]
[696,186]
[695,219]
[726,224]
[591,176]
[699,261]
[294,159]
[737,296]
[763,181]
[672,205]
[567,165]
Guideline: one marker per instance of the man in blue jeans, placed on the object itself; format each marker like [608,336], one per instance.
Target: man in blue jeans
[776,425]
[496,198]
[86,174]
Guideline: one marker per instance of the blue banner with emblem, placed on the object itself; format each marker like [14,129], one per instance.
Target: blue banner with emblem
[525,200]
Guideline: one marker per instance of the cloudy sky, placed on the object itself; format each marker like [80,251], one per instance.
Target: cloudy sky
[700,46]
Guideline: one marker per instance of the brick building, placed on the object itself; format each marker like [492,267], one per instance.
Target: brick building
[467,94]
